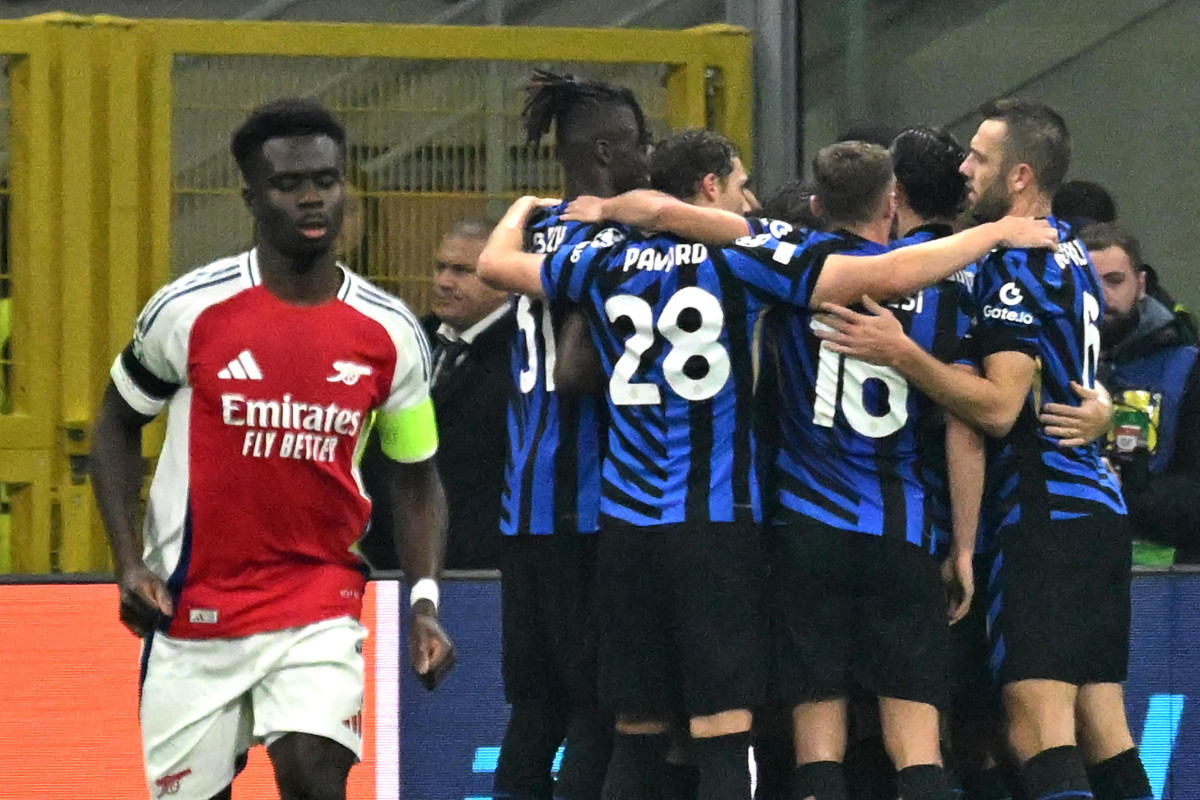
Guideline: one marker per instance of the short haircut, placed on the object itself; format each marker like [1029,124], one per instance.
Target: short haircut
[291,116]
[1084,200]
[579,110]
[1104,235]
[926,162]
[681,161]
[1036,135]
[849,179]
[790,203]
[471,228]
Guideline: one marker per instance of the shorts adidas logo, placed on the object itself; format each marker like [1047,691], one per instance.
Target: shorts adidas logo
[242,368]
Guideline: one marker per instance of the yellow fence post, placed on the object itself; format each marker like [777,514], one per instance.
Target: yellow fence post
[730,94]
[27,433]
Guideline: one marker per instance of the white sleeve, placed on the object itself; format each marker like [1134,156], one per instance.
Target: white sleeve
[410,381]
[154,365]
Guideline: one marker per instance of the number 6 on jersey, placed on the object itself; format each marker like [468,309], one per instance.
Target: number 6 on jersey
[691,322]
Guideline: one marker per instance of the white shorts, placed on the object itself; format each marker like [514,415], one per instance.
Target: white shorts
[206,701]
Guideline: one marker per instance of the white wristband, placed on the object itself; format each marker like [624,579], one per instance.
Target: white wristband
[425,589]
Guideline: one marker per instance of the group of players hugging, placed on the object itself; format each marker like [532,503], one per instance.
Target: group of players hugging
[818,477]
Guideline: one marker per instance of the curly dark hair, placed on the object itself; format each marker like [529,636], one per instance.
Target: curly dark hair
[291,116]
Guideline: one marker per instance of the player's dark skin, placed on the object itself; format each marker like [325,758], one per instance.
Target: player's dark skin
[615,163]
[296,194]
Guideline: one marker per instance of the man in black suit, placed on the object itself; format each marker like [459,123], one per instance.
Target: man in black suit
[471,330]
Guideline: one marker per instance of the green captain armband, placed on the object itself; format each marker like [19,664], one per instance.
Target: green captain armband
[410,435]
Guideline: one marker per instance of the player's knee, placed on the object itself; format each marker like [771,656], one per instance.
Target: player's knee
[311,782]
[310,767]
[1102,727]
[720,724]
[1040,703]
[911,733]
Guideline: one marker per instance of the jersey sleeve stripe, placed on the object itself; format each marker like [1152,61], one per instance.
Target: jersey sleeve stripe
[152,314]
[172,290]
[410,319]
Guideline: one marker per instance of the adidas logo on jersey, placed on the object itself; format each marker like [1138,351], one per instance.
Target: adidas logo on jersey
[242,368]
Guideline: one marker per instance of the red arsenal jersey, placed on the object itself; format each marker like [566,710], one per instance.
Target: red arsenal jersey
[257,505]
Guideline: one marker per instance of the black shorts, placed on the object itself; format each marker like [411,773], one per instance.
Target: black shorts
[974,693]
[547,625]
[681,630]
[1060,601]
[853,610]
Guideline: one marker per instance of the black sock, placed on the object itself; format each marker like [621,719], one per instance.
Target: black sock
[774,759]
[724,763]
[1122,777]
[586,754]
[527,752]
[637,767]
[1057,773]
[922,782]
[682,781]
[986,784]
[820,780]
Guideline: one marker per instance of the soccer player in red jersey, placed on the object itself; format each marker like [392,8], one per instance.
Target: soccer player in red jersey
[272,365]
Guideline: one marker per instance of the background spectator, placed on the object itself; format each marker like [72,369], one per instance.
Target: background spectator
[471,331]
[1148,363]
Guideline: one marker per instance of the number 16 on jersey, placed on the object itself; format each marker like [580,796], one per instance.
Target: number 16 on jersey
[852,375]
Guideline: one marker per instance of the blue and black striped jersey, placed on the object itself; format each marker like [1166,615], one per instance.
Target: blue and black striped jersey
[552,479]
[854,432]
[676,324]
[931,428]
[1047,305]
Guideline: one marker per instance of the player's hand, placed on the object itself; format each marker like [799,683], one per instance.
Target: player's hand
[958,576]
[639,208]
[1024,232]
[145,600]
[585,208]
[518,212]
[1075,426]
[875,336]
[430,649]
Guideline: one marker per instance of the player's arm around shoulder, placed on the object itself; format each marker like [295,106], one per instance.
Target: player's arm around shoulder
[903,271]
[655,211]
[504,264]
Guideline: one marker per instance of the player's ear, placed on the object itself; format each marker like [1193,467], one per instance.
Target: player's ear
[710,186]
[1141,282]
[814,205]
[603,151]
[890,201]
[1021,177]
